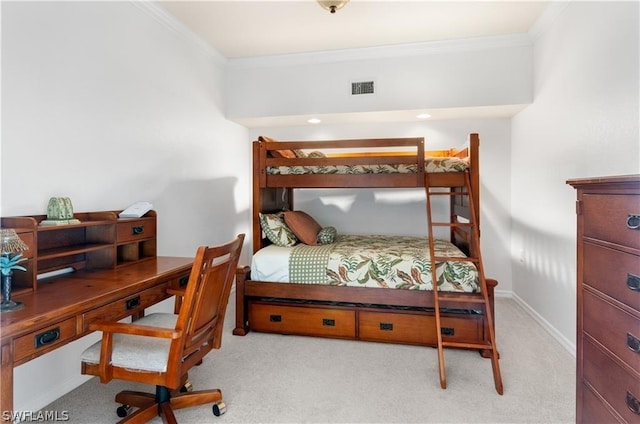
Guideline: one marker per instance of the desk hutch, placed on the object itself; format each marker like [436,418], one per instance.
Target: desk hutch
[103,268]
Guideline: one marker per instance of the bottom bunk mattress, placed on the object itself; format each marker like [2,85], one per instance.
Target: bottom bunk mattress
[396,262]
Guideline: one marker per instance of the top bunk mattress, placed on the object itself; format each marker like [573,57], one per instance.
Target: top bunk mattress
[394,262]
[432,165]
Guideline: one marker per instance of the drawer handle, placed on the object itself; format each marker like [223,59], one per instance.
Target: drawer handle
[183,281]
[633,282]
[633,343]
[275,318]
[633,403]
[328,322]
[448,331]
[47,337]
[132,303]
[386,326]
[137,230]
[633,221]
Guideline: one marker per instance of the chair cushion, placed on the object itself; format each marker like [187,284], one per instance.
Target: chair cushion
[138,352]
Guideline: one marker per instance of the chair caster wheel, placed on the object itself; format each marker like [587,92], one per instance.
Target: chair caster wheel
[187,387]
[123,410]
[219,408]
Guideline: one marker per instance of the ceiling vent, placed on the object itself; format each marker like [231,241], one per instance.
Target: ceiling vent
[362,87]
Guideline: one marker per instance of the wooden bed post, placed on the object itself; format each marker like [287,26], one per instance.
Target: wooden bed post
[474,150]
[242,320]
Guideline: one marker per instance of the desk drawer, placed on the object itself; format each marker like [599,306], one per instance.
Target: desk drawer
[309,321]
[615,329]
[416,329]
[136,229]
[618,387]
[605,218]
[124,307]
[43,340]
[614,273]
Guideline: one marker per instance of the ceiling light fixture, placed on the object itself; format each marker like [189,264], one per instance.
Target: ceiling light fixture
[313,121]
[423,116]
[332,5]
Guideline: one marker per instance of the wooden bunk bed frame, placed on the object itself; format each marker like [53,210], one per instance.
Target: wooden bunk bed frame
[373,314]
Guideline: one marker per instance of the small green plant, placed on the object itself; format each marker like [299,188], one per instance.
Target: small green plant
[9,264]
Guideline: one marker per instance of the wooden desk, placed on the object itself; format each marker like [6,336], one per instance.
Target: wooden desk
[60,310]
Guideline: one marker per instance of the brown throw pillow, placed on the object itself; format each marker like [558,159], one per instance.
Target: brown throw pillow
[289,154]
[303,226]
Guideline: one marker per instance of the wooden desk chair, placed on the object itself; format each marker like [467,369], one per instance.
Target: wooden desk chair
[160,348]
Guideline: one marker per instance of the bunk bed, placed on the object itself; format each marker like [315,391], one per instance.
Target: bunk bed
[332,308]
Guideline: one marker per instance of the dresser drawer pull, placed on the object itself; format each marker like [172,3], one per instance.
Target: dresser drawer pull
[633,221]
[633,282]
[386,326]
[633,343]
[47,337]
[275,318]
[139,229]
[633,403]
[132,303]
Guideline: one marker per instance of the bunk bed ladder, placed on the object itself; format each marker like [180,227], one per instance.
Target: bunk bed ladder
[474,256]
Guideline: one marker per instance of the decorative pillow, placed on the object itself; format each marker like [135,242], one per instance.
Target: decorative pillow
[299,153]
[327,235]
[303,226]
[276,230]
[316,154]
[289,154]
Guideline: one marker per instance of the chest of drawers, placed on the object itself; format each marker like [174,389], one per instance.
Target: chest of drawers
[608,321]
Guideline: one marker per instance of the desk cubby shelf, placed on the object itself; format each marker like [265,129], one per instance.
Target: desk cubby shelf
[100,241]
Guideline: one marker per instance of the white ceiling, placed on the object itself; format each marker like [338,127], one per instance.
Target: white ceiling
[243,29]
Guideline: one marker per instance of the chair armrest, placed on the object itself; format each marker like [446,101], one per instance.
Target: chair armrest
[176,291]
[134,329]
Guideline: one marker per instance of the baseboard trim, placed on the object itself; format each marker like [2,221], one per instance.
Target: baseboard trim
[566,343]
[44,398]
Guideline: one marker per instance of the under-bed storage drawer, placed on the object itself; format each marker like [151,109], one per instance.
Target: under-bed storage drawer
[415,328]
[312,321]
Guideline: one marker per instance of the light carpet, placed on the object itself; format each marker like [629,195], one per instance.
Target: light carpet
[270,378]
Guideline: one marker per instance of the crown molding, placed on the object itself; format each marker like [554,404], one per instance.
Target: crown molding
[381,52]
[548,17]
[153,9]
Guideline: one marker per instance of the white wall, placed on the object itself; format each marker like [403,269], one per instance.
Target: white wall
[110,106]
[488,72]
[103,103]
[583,123]
[393,211]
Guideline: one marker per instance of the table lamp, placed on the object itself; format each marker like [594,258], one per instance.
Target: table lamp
[10,243]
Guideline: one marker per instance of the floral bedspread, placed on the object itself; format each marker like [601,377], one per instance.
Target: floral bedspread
[445,164]
[398,262]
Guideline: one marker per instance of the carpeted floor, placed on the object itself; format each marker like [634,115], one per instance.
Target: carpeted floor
[268,378]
